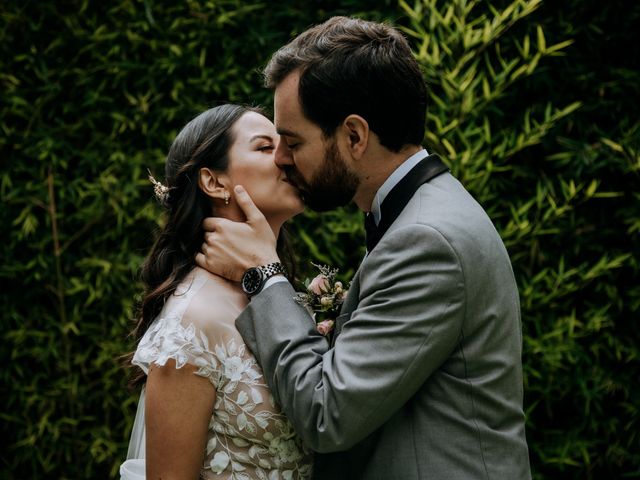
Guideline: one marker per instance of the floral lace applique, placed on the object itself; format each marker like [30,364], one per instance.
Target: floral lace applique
[248,435]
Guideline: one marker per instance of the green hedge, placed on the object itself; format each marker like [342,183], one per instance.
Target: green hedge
[533,104]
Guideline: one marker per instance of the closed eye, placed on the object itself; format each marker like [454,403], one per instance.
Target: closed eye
[266,148]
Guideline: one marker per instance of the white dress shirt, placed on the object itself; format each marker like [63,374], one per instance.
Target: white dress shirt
[393,179]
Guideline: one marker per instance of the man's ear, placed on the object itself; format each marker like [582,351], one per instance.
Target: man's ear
[213,184]
[356,130]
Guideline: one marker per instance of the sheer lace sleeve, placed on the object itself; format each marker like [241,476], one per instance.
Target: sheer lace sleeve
[182,335]
[168,339]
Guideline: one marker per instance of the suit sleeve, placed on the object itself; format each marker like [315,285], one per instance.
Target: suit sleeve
[408,321]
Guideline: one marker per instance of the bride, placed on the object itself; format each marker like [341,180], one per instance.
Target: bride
[205,410]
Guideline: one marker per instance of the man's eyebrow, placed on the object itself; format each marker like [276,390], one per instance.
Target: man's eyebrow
[265,137]
[287,133]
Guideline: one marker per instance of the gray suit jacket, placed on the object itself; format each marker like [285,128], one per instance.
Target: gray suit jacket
[424,380]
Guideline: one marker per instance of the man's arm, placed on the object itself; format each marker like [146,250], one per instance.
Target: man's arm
[408,321]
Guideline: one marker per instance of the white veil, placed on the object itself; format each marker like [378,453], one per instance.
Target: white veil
[134,467]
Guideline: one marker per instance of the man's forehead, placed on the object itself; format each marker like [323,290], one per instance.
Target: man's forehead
[287,108]
[286,92]
[285,118]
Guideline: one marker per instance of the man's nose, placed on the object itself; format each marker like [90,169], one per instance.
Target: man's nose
[283,155]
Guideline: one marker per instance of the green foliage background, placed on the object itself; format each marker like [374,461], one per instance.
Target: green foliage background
[533,104]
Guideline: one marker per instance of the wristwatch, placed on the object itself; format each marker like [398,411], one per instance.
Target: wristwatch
[253,279]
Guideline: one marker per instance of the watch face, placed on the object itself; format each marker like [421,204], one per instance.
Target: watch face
[252,281]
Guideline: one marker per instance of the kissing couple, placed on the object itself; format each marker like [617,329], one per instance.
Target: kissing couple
[423,376]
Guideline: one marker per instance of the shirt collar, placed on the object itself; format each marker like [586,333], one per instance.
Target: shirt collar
[397,175]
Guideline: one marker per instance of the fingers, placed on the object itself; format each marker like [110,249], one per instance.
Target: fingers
[211,224]
[247,206]
[201,260]
[217,268]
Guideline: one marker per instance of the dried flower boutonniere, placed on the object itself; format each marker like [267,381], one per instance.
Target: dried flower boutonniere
[323,298]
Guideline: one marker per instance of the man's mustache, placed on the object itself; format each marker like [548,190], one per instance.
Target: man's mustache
[294,178]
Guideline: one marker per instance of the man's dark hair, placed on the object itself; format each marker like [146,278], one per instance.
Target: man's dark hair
[351,66]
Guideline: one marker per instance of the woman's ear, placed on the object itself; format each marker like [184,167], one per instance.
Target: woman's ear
[356,129]
[214,185]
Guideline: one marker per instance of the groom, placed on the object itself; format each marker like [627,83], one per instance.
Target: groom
[424,379]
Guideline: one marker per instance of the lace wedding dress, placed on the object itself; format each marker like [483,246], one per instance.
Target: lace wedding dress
[248,436]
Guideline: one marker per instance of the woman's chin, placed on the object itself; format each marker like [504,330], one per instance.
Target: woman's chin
[284,213]
[298,211]
[295,210]
[292,206]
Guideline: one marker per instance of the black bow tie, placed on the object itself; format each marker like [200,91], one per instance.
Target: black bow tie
[428,168]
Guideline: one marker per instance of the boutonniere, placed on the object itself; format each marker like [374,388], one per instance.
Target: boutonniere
[323,298]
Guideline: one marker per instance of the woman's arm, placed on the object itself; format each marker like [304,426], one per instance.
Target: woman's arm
[178,408]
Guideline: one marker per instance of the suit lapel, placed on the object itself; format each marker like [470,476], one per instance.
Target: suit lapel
[400,195]
[349,305]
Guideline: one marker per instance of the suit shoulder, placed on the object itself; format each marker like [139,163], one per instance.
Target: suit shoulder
[444,204]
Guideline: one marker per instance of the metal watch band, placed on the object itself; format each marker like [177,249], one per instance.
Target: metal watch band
[272,269]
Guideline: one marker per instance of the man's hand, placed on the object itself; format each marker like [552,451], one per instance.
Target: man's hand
[230,247]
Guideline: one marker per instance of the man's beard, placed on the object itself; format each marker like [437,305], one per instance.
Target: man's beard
[332,186]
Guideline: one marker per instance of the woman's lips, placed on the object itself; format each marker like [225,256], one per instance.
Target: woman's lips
[287,180]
